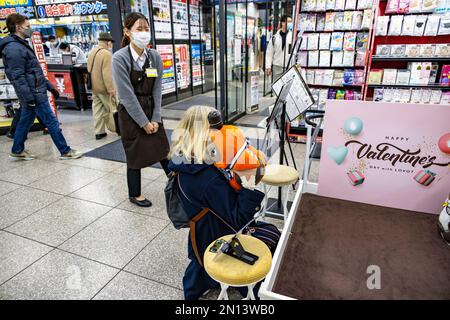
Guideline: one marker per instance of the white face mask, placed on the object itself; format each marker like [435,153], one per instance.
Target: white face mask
[141,39]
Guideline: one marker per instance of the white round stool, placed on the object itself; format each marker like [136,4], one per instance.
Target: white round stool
[231,272]
[278,175]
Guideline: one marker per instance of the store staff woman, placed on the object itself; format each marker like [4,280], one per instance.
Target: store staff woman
[137,73]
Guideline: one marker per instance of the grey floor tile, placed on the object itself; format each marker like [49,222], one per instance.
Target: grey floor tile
[57,276]
[97,164]
[17,253]
[6,163]
[23,202]
[115,238]
[68,180]
[126,286]
[154,191]
[7,187]
[164,259]
[58,222]
[32,171]
[109,190]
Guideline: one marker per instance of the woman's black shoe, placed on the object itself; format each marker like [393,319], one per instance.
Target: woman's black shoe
[100,136]
[10,135]
[142,203]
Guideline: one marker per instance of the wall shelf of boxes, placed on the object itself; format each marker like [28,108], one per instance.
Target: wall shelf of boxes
[334,48]
[410,57]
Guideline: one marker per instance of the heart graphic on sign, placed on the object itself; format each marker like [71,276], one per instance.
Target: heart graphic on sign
[337,154]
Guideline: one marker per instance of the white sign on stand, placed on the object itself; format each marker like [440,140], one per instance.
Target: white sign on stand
[299,98]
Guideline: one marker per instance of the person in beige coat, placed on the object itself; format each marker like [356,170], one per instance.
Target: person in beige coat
[104,102]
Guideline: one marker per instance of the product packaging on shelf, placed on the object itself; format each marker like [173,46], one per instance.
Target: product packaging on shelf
[389,76]
[349,41]
[415,6]
[403,77]
[337,39]
[313,58]
[332,94]
[303,59]
[432,26]
[324,41]
[378,94]
[304,43]
[435,96]
[444,26]
[313,41]
[348,19]
[395,27]
[325,57]
[403,6]
[398,50]
[412,50]
[408,25]
[382,25]
[337,58]
[445,75]
[426,96]
[339,5]
[427,50]
[350,4]
[392,6]
[320,26]
[445,98]
[375,76]
[349,76]
[383,50]
[360,59]
[339,21]
[433,73]
[348,59]
[319,77]
[429,5]
[321,5]
[367,19]
[329,21]
[340,95]
[328,77]
[357,20]
[442,50]
[419,27]
[338,79]
[330,4]
[416,96]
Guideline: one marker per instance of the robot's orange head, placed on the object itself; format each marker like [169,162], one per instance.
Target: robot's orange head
[234,152]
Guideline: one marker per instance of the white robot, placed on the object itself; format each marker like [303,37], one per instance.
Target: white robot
[444,221]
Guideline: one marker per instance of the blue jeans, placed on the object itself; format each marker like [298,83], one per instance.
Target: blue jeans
[45,113]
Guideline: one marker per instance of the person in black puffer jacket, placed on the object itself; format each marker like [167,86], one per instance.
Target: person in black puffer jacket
[25,73]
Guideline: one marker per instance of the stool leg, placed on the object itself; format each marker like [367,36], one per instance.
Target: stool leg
[285,202]
[265,201]
[250,294]
[223,292]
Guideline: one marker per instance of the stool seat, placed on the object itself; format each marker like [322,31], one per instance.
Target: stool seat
[280,175]
[233,272]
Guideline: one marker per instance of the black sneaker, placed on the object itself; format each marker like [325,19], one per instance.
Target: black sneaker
[100,136]
[141,203]
[10,135]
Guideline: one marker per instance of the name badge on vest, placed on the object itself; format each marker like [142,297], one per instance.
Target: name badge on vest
[151,72]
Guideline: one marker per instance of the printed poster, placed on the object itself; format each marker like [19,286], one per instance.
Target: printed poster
[162,20]
[197,68]
[180,19]
[194,15]
[182,65]
[388,154]
[168,78]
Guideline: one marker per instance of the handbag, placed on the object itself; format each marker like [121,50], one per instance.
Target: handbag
[266,232]
[88,76]
[116,121]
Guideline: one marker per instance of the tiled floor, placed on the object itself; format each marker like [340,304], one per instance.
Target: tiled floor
[68,231]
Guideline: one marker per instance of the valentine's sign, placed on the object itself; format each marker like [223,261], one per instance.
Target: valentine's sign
[388,154]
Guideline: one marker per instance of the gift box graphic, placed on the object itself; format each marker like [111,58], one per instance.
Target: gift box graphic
[425,177]
[356,177]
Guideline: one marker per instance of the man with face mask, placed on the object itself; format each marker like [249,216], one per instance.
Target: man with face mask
[53,46]
[104,103]
[25,73]
[278,49]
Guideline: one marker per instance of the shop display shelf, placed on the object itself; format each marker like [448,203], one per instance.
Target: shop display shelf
[336,86]
[412,59]
[407,86]
[339,67]
[362,10]
[337,30]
